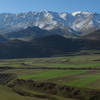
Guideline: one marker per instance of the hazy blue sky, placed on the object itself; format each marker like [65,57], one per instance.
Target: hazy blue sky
[52,5]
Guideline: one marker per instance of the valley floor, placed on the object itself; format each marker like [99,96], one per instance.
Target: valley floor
[85,76]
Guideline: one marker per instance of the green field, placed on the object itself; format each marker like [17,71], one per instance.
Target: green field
[67,61]
[89,79]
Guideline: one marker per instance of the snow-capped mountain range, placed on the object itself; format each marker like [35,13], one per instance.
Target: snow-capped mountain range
[76,22]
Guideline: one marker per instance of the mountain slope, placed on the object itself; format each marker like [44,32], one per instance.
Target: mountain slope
[93,36]
[28,33]
[2,38]
[35,32]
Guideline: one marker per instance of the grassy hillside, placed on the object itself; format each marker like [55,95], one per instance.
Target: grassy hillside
[8,94]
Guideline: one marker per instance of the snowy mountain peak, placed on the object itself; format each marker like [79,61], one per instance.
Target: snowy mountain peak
[81,22]
[81,13]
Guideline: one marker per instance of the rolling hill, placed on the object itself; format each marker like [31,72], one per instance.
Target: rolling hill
[52,45]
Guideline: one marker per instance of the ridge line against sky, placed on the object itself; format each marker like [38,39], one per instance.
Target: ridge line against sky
[17,6]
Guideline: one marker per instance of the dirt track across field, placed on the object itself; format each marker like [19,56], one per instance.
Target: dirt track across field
[50,68]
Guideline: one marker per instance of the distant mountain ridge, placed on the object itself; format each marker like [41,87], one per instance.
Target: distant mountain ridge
[36,32]
[76,22]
